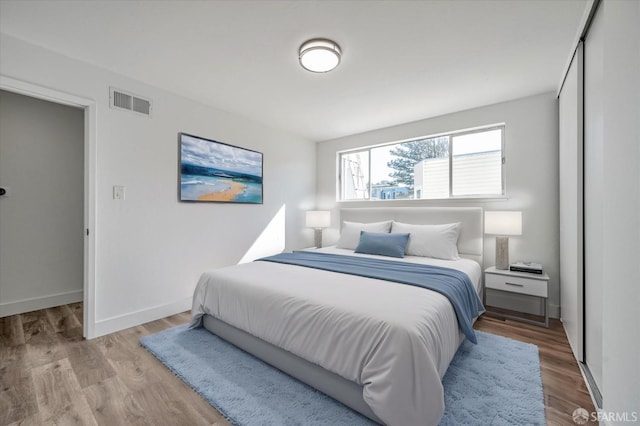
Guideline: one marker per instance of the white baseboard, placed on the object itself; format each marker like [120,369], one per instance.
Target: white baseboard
[37,303]
[113,324]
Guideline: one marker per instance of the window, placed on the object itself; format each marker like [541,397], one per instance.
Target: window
[456,165]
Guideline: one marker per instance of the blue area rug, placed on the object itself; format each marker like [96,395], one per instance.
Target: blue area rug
[496,382]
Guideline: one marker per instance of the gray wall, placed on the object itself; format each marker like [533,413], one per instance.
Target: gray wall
[41,220]
[531,149]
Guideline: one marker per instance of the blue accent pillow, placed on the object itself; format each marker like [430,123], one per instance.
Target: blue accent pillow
[383,244]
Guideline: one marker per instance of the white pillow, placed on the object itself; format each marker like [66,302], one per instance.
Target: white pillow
[439,241]
[350,235]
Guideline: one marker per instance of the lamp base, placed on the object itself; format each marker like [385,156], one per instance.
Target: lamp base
[502,253]
[318,237]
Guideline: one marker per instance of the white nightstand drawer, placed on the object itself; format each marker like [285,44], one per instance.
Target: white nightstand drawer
[516,284]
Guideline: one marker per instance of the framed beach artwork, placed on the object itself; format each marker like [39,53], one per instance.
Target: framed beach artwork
[212,171]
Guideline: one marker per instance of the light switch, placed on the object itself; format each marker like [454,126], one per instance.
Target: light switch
[118,192]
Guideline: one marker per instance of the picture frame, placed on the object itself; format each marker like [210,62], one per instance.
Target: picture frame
[212,171]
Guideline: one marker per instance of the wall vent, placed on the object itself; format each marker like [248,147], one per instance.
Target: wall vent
[122,100]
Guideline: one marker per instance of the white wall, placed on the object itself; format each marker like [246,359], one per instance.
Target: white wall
[531,149]
[621,207]
[41,220]
[150,248]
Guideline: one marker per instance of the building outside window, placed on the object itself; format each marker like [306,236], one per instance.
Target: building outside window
[462,164]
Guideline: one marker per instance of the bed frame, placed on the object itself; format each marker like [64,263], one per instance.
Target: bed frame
[470,246]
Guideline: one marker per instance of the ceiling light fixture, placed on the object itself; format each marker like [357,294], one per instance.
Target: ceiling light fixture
[319,55]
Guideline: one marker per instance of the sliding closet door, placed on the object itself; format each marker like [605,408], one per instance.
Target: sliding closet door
[594,149]
[571,187]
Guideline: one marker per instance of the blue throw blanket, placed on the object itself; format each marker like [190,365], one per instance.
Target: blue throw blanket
[453,284]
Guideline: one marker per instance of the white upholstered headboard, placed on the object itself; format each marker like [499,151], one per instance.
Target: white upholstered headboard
[470,241]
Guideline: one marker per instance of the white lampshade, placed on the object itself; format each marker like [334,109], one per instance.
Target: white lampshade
[503,223]
[319,55]
[318,219]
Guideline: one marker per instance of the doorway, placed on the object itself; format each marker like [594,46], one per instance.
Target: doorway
[68,202]
[41,209]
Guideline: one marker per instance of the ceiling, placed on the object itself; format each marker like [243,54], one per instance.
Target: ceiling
[402,60]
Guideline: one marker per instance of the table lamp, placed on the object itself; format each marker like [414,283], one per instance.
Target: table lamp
[502,224]
[318,220]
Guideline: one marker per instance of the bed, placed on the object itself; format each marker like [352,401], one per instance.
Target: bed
[379,347]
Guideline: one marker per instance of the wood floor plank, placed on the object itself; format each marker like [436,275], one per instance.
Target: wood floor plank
[13,357]
[157,326]
[164,407]
[88,362]
[71,335]
[33,420]
[78,311]
[62,318]
[43,343]
[178,319]
[129,360]
[563,417]
[11,332]
[60,398]
[17,397]
[110,399]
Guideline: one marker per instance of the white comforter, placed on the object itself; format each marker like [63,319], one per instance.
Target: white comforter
[395,340]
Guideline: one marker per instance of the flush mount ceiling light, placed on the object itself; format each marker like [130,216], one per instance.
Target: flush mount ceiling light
[319,55]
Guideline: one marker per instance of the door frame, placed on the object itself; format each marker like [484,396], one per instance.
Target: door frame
[89,107]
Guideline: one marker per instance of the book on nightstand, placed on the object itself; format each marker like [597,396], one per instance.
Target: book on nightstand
[528,267]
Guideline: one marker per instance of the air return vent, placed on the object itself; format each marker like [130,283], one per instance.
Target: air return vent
[122,100]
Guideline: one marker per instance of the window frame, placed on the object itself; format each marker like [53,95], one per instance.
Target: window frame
[449,135]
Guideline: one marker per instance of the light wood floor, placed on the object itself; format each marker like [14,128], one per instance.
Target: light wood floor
[50,375]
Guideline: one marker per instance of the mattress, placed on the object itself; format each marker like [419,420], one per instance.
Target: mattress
[394,340]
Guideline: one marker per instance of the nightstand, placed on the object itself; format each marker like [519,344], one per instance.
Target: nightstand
[533,285]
